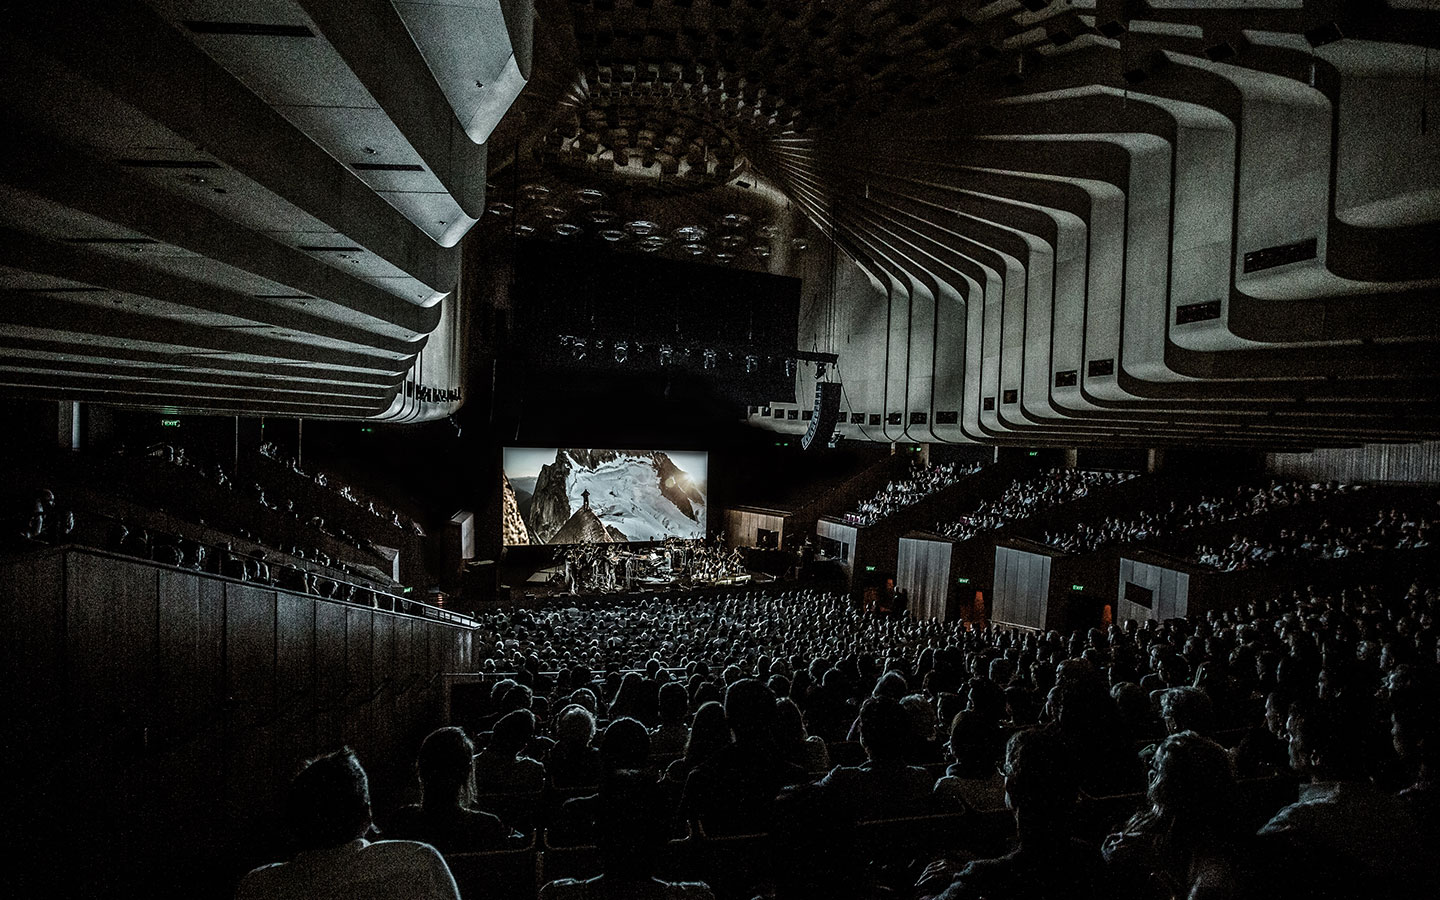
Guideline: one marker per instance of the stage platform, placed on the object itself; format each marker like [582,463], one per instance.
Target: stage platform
[541,586]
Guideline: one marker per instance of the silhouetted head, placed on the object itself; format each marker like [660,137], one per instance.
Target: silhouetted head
[750,709]
[445,764]
[328,803]
[885,730]
[625,745]
[513,732]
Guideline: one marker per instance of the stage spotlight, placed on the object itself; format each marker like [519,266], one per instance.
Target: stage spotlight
[710,357]
[789,368]
[819,370]
[666,351]
[622,351]
[752,362]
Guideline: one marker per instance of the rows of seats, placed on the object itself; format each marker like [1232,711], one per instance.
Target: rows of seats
[1208,704]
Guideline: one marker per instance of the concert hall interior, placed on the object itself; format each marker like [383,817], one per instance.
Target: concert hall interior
[720,448]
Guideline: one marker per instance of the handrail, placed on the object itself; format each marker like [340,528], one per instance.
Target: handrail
[407,605]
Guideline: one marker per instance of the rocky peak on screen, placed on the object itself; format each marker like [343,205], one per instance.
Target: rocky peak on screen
[641,495]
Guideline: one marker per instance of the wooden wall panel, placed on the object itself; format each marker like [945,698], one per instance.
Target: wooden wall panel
[1402,463]
[294,654]
[249,654]
[110,634]
[187,681]
[32,654]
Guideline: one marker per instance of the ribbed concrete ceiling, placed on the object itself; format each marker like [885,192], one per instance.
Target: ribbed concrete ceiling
[247,207]
[1061,222]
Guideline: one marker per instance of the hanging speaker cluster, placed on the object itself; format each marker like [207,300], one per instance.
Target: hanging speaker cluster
[822,420]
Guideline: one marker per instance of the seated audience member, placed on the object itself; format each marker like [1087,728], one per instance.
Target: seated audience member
[1183,709]
[500,769]
[1188,842]
[1086,718]
[925,747]
[973,779]
[804,750]
[814,843]
[624,748]
[572,761]
[1415,730]
[630,832]
[1136,715]
[328,813]
[708,735]
[829,712]
[734,792]
[1345,836]
[1042,788]
[668,738]
[1262,751]
[885,786]
[445,817]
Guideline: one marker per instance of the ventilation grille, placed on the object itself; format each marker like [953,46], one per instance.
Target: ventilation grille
[1067,378]
[989,404]
[919,418]
[1197,312]
[947,417]
[1012,396]
[857,418]
[1098,368]
[874,419]
[1283,255]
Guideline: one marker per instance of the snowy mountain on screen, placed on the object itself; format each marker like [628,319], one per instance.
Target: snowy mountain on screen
[642,495]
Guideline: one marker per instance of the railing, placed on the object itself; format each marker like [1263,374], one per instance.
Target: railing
[256,564]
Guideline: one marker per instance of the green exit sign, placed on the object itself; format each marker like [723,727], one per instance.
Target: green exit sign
[1077,587]
[869,568]
[367,430]
[962,581]
[1034,452]
[169,423]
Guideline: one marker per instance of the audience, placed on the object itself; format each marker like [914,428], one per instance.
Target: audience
[885,786]
[1345,830]
[1189,841]
[1042,788]
[733,792]
[1027,497]
[1392,530]
[1246,501]
[923,481]
[630,833]
[328,813]
[445,818]
[501,768]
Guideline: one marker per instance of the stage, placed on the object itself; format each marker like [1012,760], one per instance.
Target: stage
[549,583]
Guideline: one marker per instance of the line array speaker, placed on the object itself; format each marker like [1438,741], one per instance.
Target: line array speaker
[827,410]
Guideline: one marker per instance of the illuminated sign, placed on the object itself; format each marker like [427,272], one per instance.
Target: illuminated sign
[169,423]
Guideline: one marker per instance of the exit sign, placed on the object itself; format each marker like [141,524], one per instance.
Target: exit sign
[1077,587]
[169,423]
[1034,452]
[962,580]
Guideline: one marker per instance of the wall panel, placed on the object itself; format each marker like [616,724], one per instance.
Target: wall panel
[110,635]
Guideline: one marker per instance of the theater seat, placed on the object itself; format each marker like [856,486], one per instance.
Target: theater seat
[495,875]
